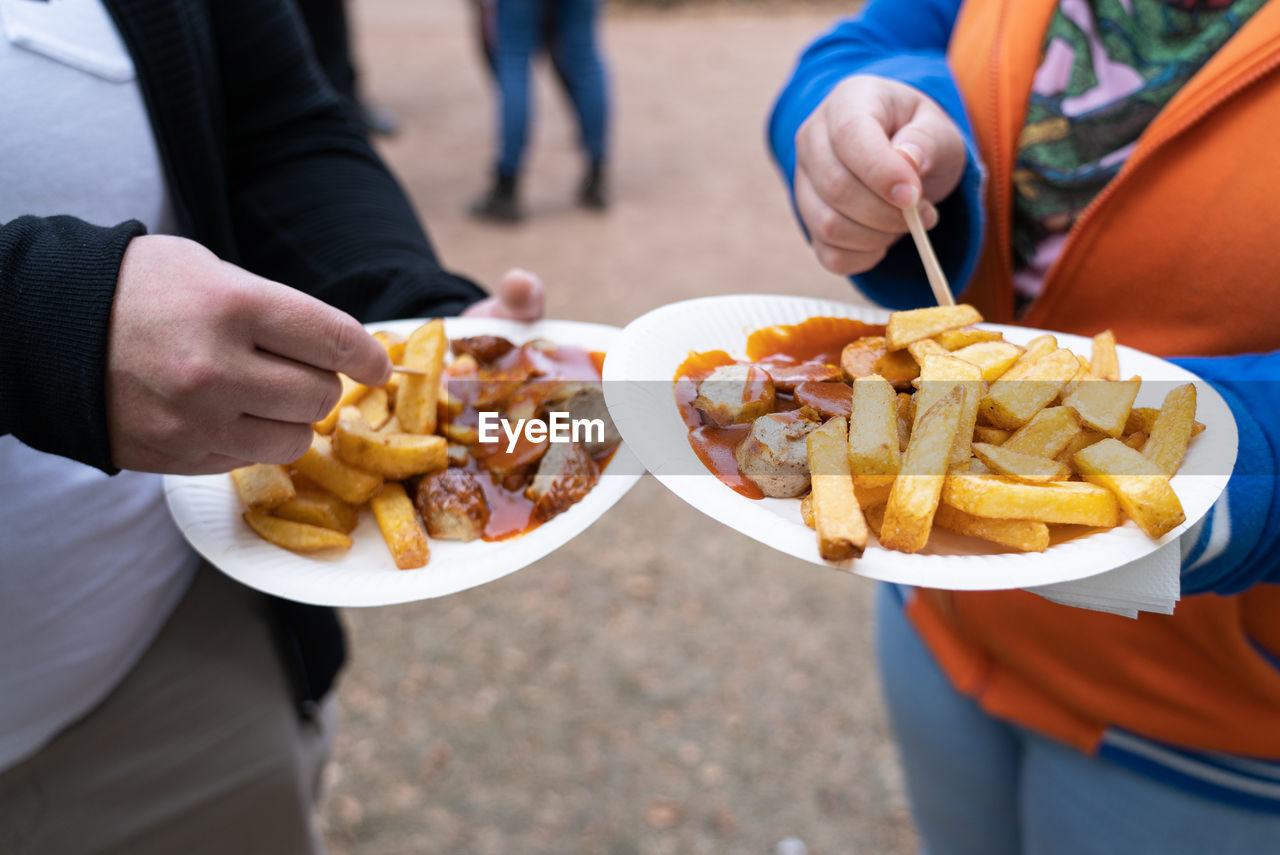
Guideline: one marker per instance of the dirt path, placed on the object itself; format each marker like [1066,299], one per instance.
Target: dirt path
[661,684]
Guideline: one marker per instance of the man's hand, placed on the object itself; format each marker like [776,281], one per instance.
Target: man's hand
[210,367]
[872,148]
[521,297]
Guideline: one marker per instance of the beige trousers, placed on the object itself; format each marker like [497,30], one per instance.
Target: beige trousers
[199,750]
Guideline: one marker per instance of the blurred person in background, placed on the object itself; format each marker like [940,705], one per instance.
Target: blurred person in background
[486,24]
[520,25]
[1083,164]
[166,165]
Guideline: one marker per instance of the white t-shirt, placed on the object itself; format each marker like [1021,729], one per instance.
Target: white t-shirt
[90,566]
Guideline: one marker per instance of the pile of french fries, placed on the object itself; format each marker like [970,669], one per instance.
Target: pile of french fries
[369,442]
[1005,443]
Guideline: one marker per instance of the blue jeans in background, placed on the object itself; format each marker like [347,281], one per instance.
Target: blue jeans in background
[520,31]
[981,786]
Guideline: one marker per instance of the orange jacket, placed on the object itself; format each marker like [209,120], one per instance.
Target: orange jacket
[1173,257]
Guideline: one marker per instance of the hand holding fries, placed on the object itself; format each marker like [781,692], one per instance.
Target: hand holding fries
[209,366]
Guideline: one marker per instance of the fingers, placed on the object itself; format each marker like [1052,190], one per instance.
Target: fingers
[271,387]
[263,440]
[521,297]
[522,294]
[838,184]
[299,327]
[859,131]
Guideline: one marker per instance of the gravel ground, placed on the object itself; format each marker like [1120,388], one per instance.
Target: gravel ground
[661,684]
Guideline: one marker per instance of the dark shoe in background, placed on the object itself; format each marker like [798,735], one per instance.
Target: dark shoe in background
[499,205]
[594,193]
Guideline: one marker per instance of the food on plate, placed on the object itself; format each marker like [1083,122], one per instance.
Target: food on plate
[263,486]
[734,394]
[452,504]
[489,441]
[401,526]
[842,531]
[774,453]
[928,422]
[300,537]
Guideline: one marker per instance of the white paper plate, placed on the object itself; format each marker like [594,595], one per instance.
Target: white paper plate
[638,376]
[207,511]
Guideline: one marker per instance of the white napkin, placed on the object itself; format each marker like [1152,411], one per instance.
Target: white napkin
[1150,584]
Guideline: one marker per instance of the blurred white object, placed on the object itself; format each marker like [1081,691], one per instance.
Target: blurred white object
[791,846]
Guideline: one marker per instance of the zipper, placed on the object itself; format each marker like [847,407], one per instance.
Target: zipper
[1090,212]
[1002,221]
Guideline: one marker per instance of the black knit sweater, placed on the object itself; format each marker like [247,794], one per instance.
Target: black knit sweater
[268,169]
[265,166]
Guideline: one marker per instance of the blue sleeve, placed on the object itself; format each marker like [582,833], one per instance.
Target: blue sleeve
[1237,545]
[904,41]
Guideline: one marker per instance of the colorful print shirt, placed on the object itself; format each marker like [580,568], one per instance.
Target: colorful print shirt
[1109,67]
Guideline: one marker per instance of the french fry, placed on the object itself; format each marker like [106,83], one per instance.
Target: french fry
[393,344]
[874,516]
[1041,345]
[1140,486]
[296,536]
[1167,441]
[347,482]
[391,455]
[806,510]
[1023,535]
[1023,467]
[1085,438]
[938,376]
[914,497]
[994,436]
[321,508]
[992,357]
[905,327]
[842,532]
[869,496]
[1103,362]
[1071,502]
[1135,440]
[1103,404]
[262,486]
[418,395]
[925,347]
[351,392]
[1144,419]
[375,408]
[1014,399]
[401,527]
[874,455]
[956,339]
[1047,433]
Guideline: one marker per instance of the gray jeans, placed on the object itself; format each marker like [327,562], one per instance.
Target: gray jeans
[198,750]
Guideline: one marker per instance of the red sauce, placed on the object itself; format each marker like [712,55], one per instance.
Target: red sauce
[814,340]
[510,513]
[801,352]
[714,447]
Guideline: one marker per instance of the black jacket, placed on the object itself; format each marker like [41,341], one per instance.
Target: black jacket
[266,167]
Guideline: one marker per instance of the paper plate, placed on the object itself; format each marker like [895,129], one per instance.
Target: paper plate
[207,511]
[638,376]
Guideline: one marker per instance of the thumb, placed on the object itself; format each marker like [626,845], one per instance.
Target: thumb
[923,142]
[522,295]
